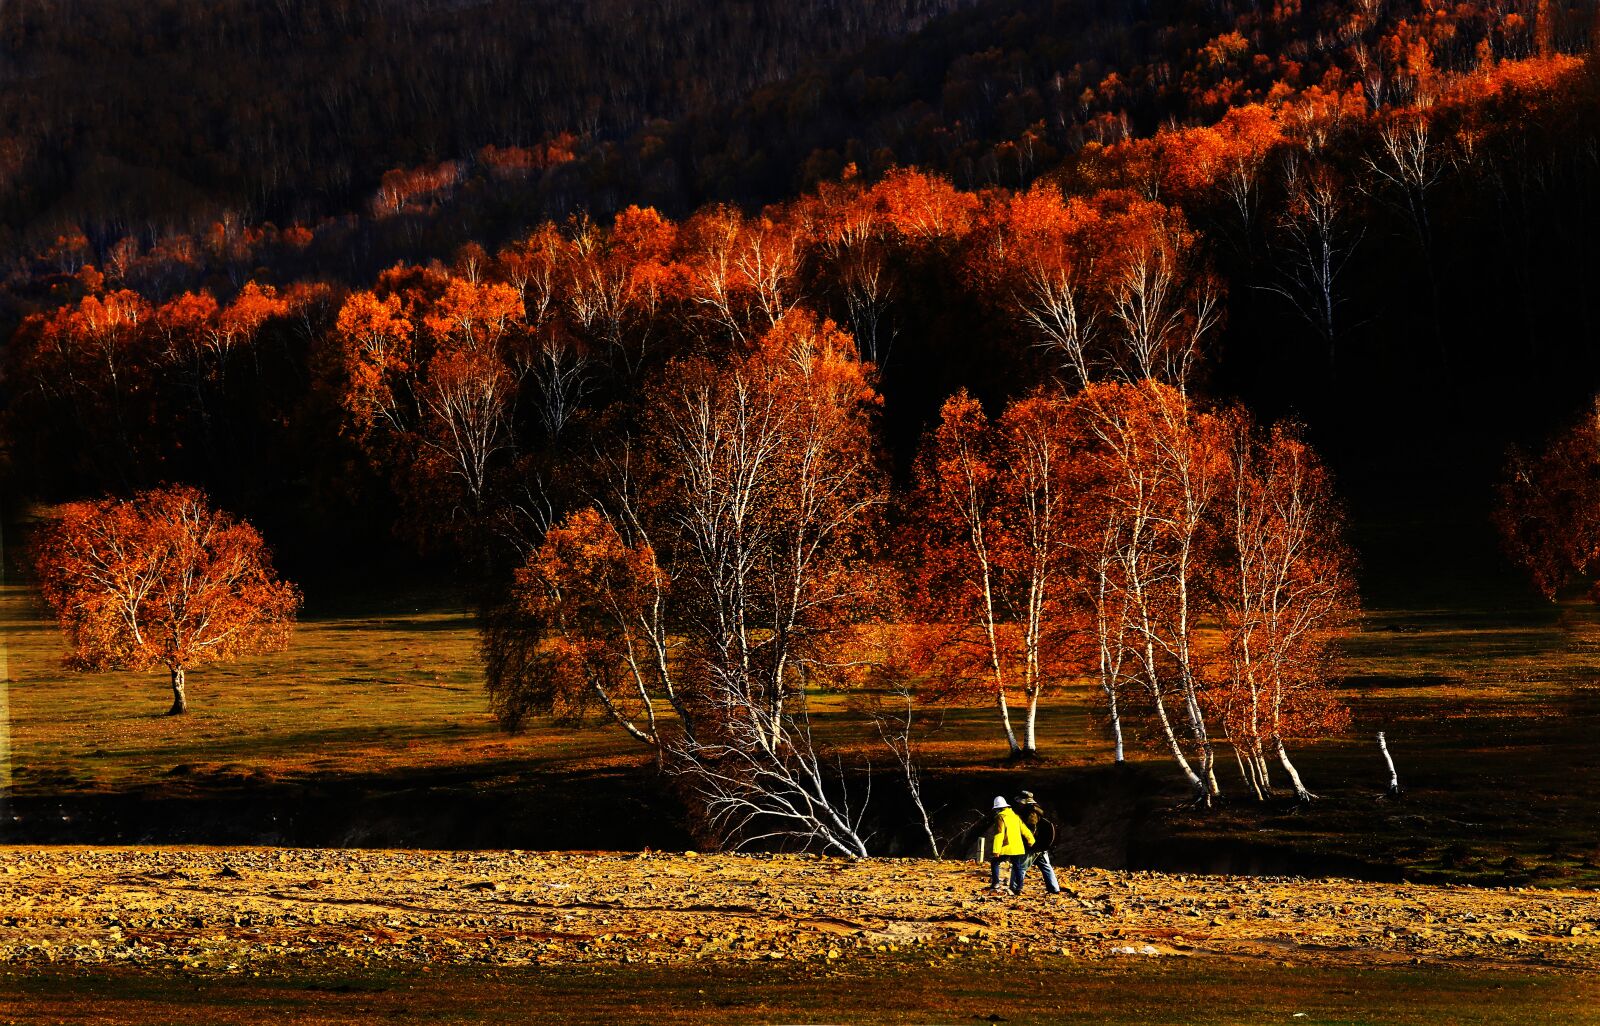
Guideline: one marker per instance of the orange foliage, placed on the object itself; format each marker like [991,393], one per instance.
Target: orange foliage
[404,188]
[161,579]
[923,208]
[1549,509]
[520,161]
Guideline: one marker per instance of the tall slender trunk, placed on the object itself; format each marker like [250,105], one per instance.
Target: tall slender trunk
[994,653]
[1394,776]
[1300,791]
[1248,773]
[1189,774]
[180,703]
[1116,725]
[1191,688]
[1005,721]
[1030,737]
[1110,671]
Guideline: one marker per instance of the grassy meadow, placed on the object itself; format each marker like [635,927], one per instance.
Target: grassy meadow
[393,689]
[1492,711]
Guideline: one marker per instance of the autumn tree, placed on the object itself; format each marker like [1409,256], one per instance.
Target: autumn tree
[602,603]
[722,576]
[1284,595]
[1405,167]
[1249,135]
[1098,534]
[88,363]
[1155,465]
[202,341]
[955,509]
[1549,506]
[615,281]
[1036,449]
[854,247]
[741,274]
[1047,253]
[924,209]
[1409,161]
[1113,286]
[428,371]
[1315,236]
[991,512]
[1164,300]
[161,579]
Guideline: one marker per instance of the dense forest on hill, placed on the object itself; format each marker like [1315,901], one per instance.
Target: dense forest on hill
[960,354]
[140,117]
[1394,202]
[1453,147]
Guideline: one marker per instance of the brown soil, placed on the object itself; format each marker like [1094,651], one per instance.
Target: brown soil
[260,910]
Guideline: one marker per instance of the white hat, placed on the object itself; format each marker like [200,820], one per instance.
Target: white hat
[1000,803]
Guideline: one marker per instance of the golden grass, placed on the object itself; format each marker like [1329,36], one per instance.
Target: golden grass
[377,694]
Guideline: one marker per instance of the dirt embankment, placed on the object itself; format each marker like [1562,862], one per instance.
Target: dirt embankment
[257,910]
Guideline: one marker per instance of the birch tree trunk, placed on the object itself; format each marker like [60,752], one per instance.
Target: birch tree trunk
[1300,791]
[1005,721]
[1116,726]
[1248,775]
[1182,760]
[1394,777]
[180,704]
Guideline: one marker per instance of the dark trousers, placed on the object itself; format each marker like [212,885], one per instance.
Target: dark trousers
[1019,867]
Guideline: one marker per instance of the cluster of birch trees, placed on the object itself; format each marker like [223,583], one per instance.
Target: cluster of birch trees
[1188,561]
[745,546]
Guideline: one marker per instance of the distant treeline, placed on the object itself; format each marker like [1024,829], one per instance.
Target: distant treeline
[1393,206]
[127,118]
[136,116]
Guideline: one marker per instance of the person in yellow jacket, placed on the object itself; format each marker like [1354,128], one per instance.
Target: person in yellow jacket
[1008,842]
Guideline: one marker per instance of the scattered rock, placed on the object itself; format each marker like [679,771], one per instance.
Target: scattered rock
[151,908]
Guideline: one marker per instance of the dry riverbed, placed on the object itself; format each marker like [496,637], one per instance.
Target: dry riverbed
[261,910]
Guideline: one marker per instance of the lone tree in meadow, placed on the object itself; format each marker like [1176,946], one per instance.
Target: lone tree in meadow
[161,579]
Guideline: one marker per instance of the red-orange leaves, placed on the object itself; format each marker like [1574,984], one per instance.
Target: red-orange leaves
[924,208]
[991,522]
[375,345]
[161,580]
[473,316]
[601,599]
[1549,510]
[428,370]
[1114,286]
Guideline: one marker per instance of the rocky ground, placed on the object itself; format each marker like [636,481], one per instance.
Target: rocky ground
[259,910]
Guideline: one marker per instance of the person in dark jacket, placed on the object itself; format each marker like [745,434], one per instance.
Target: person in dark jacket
[1044,838]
